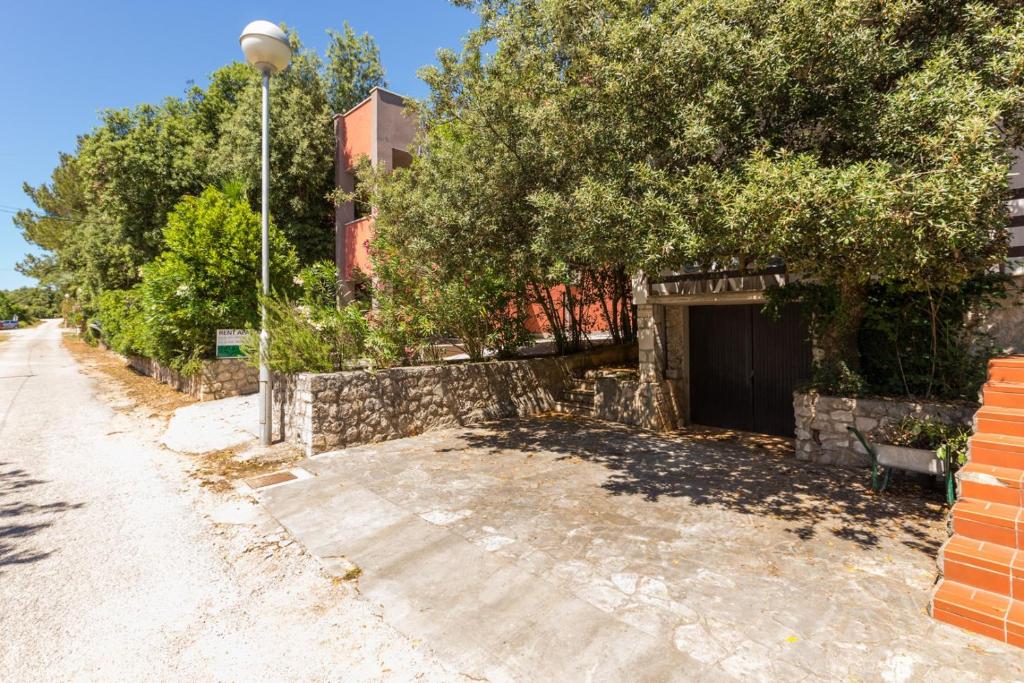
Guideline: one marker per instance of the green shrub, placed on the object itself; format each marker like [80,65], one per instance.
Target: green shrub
[302,339]
[396,335]
[911,342]
[400,325]
[481,312]
[915,432]
[480,307]
[926,344]
[122,322]
[319,285]
[311,334]
[208,276]
[837,380]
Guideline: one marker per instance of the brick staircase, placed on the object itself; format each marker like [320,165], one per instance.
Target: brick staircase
[982,564]
[578,397]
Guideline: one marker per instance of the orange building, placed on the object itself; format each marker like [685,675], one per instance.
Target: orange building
[378,129]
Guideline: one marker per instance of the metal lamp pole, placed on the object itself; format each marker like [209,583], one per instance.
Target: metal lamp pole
[266,402]
[266,47]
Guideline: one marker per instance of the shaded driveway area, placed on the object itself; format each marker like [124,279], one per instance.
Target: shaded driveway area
[561,549]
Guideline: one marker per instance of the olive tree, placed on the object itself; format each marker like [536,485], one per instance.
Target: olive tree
[852,140]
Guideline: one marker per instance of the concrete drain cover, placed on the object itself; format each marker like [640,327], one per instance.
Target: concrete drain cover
[270,479]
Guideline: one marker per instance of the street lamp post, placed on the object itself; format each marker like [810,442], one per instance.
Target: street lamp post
[266,48]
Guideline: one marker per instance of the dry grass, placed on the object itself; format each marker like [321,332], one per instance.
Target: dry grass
[216,470]
[145,392]
[219,470]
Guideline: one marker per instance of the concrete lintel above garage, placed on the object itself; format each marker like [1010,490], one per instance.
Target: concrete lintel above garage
[715,287]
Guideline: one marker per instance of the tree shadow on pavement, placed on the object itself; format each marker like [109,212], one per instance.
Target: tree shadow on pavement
[732,473]
[21,520]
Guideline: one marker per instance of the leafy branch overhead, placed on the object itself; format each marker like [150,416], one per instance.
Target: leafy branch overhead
[855,141]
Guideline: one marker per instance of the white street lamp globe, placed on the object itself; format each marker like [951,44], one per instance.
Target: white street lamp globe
[265,46]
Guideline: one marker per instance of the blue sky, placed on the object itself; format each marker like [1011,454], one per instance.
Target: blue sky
[72,59]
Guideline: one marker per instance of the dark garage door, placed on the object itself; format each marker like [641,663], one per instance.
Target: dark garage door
[744,366]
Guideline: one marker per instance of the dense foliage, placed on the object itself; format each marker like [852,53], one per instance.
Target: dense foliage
[311,333]
[206,278]
[928,344]
[121,320]
[857,142]
[864,145]
[102,215]
[29,303]
[9,310]
[479,306]
[208,275]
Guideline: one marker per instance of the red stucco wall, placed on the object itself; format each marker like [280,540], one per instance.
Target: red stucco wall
[358,234]
[358,133]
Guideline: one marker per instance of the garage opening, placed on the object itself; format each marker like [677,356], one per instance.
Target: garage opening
[744,366]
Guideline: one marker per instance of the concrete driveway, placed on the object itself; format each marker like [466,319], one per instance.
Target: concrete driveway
[556,549]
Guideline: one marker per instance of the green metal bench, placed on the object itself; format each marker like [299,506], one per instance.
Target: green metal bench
[881,473]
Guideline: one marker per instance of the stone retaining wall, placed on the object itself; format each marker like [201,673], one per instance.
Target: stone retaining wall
[1005,323]
[822,421]
[632,402]
[217,379]
[325,412]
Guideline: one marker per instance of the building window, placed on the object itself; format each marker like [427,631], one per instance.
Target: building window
[400,159]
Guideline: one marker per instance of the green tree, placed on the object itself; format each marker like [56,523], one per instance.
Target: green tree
[854,141]
[37,302]
[61,201]
[103,212]
[208,276]
[301,152]
[9,309]
[102,215]
[353,68]
[62,208]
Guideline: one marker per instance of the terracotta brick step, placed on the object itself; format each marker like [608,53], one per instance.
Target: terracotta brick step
[998,449]
[1003,395]
[989,522]
[993,484]
[988,566]
[1010,369]
[980,611]
[995,420]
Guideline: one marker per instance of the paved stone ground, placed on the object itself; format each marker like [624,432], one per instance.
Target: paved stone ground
[555,549]
[214,425]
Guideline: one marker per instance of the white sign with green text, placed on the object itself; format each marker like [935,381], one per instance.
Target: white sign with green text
[229,343]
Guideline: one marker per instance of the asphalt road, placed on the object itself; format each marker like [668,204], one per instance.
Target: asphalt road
[114,565]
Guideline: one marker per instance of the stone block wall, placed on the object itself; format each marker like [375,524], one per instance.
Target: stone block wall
[1005,324]
[322,412]
[632,402]
[822,421]
[662,370]
[218,378]
[650,333]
